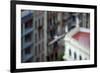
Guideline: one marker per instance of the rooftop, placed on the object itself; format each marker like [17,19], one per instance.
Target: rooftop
[83,38]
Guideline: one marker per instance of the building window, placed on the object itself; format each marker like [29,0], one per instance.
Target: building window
[75,56]
[28,37]
[22,43]
[35,38]
[37,59]
[35,50]
[81,25]
[87,25]
[87,21]
[73,18]
[39,49]
[35,24]
[56,55]
[28,51]
[28,24]
[22,28]
[48,58]
[42,20]
[39,20]
[42,33]
[30,60]
[80,19]
[22,55]
[42,47]
[80,57]
[70,52]
[42,58]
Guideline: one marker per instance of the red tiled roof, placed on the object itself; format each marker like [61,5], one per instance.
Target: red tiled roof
[83,38]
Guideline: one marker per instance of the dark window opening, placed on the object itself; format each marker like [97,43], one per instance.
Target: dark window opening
[28,24]
[75,56]
[37,59]
[28,50]
[70,52]
[80,57]
[30,60]
[28,38]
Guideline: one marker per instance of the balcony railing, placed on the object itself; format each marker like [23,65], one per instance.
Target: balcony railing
[27,31]
[27,57]
[25,45]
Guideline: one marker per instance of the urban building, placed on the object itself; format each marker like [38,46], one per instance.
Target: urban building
[77,41]
[56,32]
[26,35]
[40,41]
[46,35]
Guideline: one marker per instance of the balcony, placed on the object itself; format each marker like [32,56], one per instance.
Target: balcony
[27,31]
[26,15]
[25,45]
[27,57]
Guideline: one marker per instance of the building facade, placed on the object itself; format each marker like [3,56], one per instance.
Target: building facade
[26,36]
[39,49]
[44,34]
[77,40]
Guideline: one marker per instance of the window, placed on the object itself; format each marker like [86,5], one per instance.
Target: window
[75,56]
[22,55]
[28,24]
[39,49]
[80,57]
[28,50]
[81,25]
[42,45]
[35,50]
[56,55]
[87,25]
[37,59]
[39,34]
[80,19]
[73,18]
[48,58]
[22,43]
[70,52]
[35,38]
[30,60]
[42,33]
[22,28]
[42,20]
[87,21]
[42,57]
[28,37]
[39,20]
[35,24]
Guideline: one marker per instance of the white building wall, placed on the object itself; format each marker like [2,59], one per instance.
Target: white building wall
[75,46]
[74,49]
